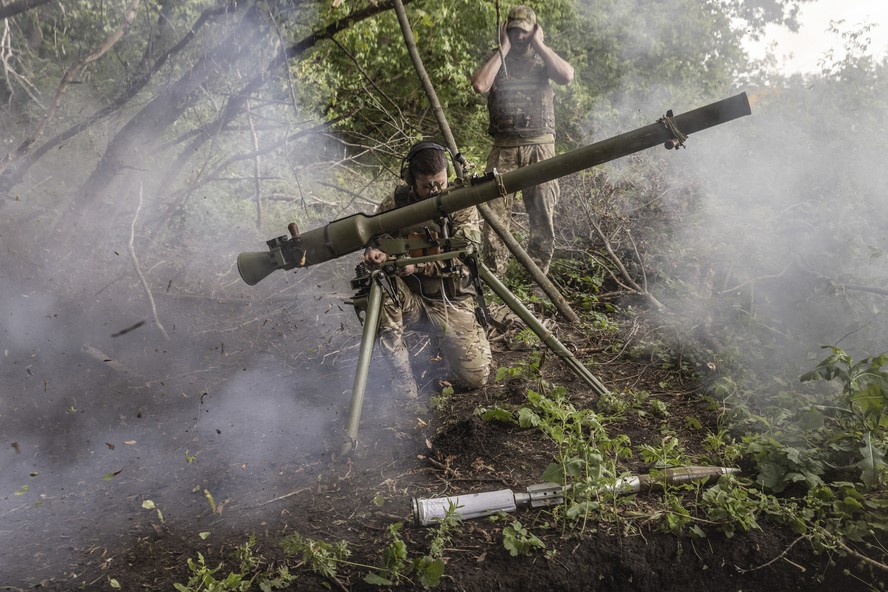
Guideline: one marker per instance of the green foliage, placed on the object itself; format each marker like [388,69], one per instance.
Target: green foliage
[394,560]
[251,570]
[320,556]
[495,413]
[428,568]
[781,465]
[668,454]
[860,416]
[587,456]
[526,369]
[731,505]
[518,541]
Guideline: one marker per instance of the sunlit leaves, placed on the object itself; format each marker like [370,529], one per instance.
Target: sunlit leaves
[150,505]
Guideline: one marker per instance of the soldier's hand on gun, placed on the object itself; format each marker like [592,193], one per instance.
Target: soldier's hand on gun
[374,257]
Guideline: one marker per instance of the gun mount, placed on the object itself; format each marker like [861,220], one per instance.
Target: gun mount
[352,233]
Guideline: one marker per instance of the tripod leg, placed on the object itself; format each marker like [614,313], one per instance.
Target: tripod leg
[365,353]
[537,327]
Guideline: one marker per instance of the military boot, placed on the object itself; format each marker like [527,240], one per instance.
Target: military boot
[404,384]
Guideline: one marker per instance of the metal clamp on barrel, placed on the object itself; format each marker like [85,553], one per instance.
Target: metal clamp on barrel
[678,137]
[500,185]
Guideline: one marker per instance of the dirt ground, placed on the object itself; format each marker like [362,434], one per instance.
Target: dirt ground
[126,453]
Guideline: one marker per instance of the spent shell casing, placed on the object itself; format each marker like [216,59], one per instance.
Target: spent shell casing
[473,505]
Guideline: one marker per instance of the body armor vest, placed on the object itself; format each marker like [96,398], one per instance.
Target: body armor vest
[522,104]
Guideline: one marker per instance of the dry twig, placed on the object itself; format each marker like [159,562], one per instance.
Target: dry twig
[138,269]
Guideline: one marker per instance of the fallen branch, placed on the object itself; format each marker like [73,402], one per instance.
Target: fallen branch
[777,558]
[283,497]
[868,560]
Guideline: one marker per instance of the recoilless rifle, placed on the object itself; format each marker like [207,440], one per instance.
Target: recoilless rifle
[358,231]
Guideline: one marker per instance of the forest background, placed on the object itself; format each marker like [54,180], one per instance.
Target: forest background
[155,140]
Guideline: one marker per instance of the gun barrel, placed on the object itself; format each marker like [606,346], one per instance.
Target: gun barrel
[352,233]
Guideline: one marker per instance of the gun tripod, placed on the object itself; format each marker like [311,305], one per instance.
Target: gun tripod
[368,298]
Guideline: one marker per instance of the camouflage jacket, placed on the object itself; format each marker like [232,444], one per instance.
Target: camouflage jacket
[429,278]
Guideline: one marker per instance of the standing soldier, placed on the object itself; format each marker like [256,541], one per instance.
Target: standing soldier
[433,296]
[520,105]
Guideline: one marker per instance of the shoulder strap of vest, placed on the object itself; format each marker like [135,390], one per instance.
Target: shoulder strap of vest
[403,195]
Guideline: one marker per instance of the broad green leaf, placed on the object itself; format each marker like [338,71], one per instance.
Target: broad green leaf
[375,579]
[430,571]
[497,414]
[527,418]
[873,459]
[554,473]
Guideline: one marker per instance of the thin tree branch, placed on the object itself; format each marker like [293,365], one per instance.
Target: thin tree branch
[69,76]
[257,168]
[12,177]
[132,250]
[616,261]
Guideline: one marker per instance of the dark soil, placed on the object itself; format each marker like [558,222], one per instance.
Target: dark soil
[232,428]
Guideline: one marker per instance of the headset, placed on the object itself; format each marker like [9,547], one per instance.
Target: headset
[406,175]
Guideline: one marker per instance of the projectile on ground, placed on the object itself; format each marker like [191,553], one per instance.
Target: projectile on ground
[477,505]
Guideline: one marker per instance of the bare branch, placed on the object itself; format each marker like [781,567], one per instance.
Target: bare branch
[616,261]
[69,76]
[142,279]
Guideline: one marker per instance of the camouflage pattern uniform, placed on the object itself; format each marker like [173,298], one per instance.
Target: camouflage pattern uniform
[441,303]
[522,124]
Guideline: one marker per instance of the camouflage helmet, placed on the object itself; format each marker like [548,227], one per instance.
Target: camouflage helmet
[521,17]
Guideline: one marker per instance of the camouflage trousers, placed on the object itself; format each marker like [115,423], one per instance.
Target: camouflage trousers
[451,324]
[539,202]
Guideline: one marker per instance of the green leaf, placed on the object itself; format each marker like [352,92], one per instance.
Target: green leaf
[554,473]
[873,458]
[811,420]
[771,476]
[430,571]
[375,579]
[581,509]
[871,401]
[527,418]
[496,414]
